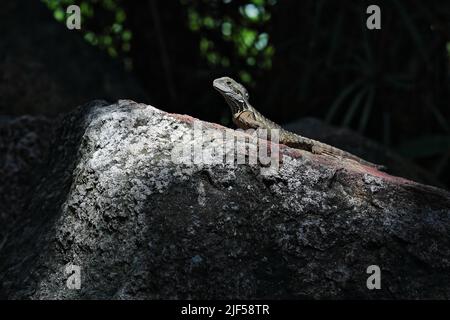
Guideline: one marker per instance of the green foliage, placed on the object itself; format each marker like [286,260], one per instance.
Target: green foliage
[241,27]
[112,36]
[390,84]
[379,75]
[426,146]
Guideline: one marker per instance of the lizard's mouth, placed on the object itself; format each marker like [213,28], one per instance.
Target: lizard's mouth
[218,88]
[221,91]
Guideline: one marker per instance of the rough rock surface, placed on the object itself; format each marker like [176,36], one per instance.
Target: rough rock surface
[109,198]
[24,142]
[349,140]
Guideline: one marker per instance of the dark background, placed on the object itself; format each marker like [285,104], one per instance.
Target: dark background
[298,59]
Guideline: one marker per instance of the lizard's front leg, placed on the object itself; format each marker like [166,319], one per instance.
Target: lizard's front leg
[246,120]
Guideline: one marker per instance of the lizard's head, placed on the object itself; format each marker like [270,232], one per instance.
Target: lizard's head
[234,93]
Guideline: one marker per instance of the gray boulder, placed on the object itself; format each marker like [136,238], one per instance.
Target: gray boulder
[110,195]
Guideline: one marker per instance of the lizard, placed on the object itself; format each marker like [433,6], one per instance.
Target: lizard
[245,116]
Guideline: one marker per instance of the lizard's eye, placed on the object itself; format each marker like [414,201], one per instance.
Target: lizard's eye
[228,82]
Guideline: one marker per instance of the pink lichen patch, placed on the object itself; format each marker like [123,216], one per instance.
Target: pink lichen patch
[350,165]
[190,120]
[354,168]
[183,117]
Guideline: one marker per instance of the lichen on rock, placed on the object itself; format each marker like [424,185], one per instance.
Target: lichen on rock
[111,200]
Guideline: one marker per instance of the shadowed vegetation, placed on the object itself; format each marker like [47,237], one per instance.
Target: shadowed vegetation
[298,58]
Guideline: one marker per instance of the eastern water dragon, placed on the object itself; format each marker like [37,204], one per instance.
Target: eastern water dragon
[245,116]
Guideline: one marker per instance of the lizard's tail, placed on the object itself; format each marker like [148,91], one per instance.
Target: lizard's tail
[318,147]
[330,150]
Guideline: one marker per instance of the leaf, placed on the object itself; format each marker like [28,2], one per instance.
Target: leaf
[354,106]
[361,63]
[335,37]
[426,146]
[337,103]
[387,128]
[439,117]
[442,163]
[399,81]
[410,25]
[367,110]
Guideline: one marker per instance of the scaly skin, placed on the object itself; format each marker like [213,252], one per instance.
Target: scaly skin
[245,116]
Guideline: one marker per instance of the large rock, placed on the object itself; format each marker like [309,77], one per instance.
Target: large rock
[24,143]
[110,197]
[349,140]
